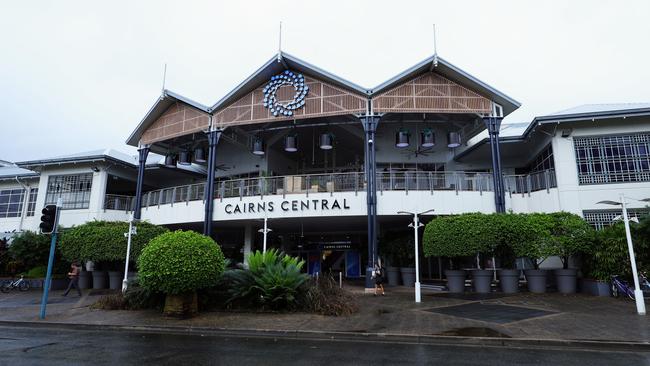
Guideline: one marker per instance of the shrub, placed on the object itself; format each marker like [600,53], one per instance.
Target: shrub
[397,248]
[570,235]
[137,297]
[322,295]
[104,241]
[459,236]
[31,248]
[37,272]
[110,302]
[535,238]
[272,280]
[179,262]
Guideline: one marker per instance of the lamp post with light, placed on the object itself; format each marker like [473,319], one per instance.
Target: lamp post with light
[264,231]
[416,224]
[638,294]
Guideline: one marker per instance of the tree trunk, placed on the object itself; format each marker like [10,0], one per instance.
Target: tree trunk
[183,305]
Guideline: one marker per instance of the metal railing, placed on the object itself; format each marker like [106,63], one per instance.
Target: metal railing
[527,183]
[458,181]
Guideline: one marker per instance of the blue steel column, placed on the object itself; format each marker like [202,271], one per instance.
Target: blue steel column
[143,152]
[213,140]
[370,127]
[493,125]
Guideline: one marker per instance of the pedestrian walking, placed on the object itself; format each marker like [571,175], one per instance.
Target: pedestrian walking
[74,278]
[379,274]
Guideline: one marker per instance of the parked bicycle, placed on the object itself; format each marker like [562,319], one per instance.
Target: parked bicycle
[19,283]
[621,287]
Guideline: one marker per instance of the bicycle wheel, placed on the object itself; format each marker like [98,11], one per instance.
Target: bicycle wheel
[23,286]
[6,287]
[614,290]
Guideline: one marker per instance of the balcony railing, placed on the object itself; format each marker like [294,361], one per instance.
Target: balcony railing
[339,182]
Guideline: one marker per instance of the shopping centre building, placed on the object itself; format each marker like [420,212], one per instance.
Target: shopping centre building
[328,164]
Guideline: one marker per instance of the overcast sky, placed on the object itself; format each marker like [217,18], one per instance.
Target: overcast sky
[80,75]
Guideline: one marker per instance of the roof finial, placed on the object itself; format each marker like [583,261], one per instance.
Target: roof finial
[280,44]
[164,77]
[435,50]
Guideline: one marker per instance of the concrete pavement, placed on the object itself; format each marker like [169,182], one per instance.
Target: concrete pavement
[552,317]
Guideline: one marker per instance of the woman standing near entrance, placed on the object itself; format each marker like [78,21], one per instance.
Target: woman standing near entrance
[378,275]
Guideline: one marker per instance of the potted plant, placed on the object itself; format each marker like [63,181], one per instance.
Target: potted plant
[535,244]
[390,249]
[178,264]
[570,235]
[104,243]
[510,228]
[453,237]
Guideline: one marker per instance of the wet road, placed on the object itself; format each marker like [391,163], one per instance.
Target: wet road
[38,346]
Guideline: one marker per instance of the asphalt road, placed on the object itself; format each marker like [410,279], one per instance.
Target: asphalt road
[38,346]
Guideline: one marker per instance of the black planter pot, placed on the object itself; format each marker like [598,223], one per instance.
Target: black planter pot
[482,280]
[99,280]
[393,274]
[595,287]
[536,279]
[408,276]
[456,280]
[115,280]
[509,280]
[84,280]
[565,279]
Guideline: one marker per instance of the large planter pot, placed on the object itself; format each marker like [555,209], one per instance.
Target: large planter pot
[181,306]
[99,280]
[84,280]
[566,281]
[393,274]
[536,279]
[482,280]
[596,287]
[455,280]
[408,276]
[115,280]
[509,280]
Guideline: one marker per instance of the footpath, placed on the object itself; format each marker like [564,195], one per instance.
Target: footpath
[524,319]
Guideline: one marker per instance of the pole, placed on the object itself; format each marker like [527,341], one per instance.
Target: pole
[418,295]
[265,231]
[50,261]
[638,294]
[128,253]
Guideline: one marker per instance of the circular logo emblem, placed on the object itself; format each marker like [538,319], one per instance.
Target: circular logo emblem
[278,81]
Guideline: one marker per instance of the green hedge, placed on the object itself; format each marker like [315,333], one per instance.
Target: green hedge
[104,241]
[459,236]
[180,261]
[30,248]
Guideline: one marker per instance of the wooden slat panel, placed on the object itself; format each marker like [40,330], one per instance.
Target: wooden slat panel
[178,120]
[431,93]
[322,100]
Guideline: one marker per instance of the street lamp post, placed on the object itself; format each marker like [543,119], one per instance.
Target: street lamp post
[638,293]
[265,231]
[132,231]
[416,224]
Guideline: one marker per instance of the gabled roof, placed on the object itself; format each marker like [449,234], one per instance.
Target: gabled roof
[451,72]
[277,64]
[13,171]
[81,157]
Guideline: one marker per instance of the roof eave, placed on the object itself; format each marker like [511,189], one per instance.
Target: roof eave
[578,117]
[75,160]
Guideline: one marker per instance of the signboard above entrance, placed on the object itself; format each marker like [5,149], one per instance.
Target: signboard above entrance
[322,204]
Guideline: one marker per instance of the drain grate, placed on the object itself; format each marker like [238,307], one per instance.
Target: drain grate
[492,313]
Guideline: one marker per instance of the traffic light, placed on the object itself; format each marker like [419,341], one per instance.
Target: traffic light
[48,219]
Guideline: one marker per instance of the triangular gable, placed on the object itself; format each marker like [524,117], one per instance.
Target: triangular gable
[178,120]
[431,93]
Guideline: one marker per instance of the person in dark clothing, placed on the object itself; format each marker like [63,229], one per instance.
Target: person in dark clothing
[378,275]
[74,278]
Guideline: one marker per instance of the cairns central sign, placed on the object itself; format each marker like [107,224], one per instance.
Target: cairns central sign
[288,205]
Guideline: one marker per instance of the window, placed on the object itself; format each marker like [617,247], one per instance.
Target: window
[613,159]
[601,218]
[73,189]
[31,205]
[11,202]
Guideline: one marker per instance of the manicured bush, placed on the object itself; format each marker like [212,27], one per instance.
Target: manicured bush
[37,272]
[570,235]
[459,236]
[272,280]
[179,262]
[535,238]
[104,241]
[397,249]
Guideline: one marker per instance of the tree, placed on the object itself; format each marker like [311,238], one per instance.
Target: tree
[570,235]
[534,238]
[31,248]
